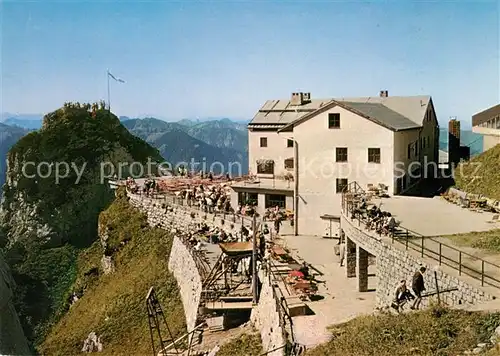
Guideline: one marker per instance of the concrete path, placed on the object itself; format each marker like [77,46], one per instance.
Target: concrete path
[341,300]
[435,216]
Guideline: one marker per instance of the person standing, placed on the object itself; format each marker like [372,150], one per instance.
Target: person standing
[277,224]
[342,253]
[418,286]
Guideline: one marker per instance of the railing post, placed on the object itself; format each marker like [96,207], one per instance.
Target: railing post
[406,243]
[440,248]
[459,263]
[422,246]
[482,272]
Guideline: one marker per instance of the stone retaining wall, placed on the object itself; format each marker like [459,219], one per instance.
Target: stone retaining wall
[168,215]
[395,263]
[266,319]
[184,269]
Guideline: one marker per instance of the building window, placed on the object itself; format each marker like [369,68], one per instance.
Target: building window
[265,167]
[341,154]
[416,148]
[334,121]
[341,184]
[409,150]
[374,155]
[247,198]
[263,142]
[289,143]
[289,163]
[273,200]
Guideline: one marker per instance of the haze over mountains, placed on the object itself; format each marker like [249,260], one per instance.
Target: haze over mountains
[205,141]
[223,141]
[9,135]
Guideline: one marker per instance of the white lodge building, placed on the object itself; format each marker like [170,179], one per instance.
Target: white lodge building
[327,143]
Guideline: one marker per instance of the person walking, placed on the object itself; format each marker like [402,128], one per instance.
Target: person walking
[418,286]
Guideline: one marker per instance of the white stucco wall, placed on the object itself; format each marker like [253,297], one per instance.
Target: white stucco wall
[276,150]
[318,170]
[491,137]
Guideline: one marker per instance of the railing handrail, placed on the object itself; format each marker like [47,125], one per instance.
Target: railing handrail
[193,208]
[411,235]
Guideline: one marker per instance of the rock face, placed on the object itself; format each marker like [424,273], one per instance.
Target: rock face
[12,339]
[55,188]
[56,177]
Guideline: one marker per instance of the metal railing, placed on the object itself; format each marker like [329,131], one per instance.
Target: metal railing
[464,263]
[168,199]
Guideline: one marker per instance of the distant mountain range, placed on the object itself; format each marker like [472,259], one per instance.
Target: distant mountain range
[467,138]
[223,141]
[31,121]
[203,140]
[9,135]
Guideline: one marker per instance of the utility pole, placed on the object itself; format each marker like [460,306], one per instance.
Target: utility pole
[296,188]
[254,259]
[109,92]
[437,287]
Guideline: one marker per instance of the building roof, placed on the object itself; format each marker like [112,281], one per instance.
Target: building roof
[393,112]
[485,115]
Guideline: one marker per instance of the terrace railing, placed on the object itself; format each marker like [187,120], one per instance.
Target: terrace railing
[169,199]
[487,273]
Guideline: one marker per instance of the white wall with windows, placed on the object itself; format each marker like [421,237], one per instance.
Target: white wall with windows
[337,147]
[269,153]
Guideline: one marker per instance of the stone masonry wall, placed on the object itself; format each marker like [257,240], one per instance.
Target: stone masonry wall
[183,267]
[266,319]
[394,264]
[168,215]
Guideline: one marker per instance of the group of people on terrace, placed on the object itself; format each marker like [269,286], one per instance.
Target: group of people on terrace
[131,185]
[375,219]
[208,198]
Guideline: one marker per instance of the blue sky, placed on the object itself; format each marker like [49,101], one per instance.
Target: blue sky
[189,59]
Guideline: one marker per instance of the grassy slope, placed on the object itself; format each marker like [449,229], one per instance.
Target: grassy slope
[431,332]
[114,305]
[245,345]
[485,240]
[481,175]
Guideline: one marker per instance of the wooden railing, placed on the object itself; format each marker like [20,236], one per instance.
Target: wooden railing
[464,263]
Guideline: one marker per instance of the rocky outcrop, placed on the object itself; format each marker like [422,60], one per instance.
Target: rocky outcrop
[12,339]
[92,343]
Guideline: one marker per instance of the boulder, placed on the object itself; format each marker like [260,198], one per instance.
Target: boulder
[92,343]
